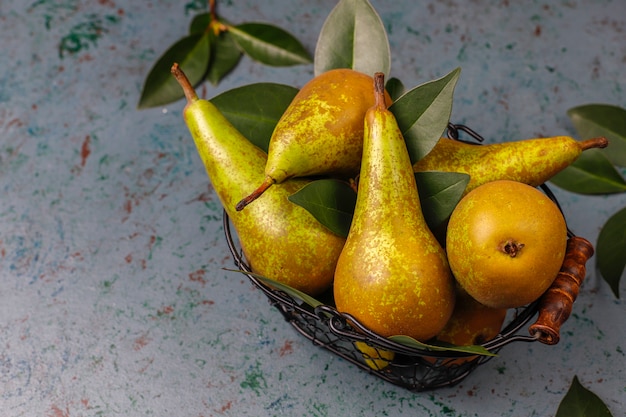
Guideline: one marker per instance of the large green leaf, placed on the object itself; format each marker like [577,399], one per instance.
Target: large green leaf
[581,402]
[423,113]
[439,194]
[593,120]
[255,109]
[591,173]
[192,54]
[224,56]
[611,248]
[353,36]
[330,201]
[269,44]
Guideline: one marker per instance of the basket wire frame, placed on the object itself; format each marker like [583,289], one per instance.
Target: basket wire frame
[411,368]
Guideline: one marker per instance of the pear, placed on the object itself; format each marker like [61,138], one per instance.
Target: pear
[392,275]
[280,240]
[321,132]
[530,161]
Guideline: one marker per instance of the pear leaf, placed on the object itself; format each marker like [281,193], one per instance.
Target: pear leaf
[269,44]
[581,402]
[255,109]
[423,113]
[290,291]
[443,347]
[330,201]
[200,23]
[611,248]
[591,173]
[353,36]
[224,56]
[439,194]
[394,87]
[192,54]
[593,120]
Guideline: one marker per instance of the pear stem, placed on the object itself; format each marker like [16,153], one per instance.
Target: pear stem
[190,93]
[599,142]
[379,90]
[267,183]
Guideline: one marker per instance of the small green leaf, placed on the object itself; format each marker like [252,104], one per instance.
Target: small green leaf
[330,201]
[160,87]
[410,342]
[255,109]
[269,44]
[394,87]
[591,173]
[353,36]
[290,291]
[200,23]
[593,120]
[581,402]
[611,248]
[423,113]
[224,56]
[439,194]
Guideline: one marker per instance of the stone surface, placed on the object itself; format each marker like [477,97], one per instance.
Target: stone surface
[114,300]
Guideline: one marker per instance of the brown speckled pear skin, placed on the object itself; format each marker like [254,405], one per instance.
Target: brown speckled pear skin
[392,274]
[531,161]
[280,240]
[321,131]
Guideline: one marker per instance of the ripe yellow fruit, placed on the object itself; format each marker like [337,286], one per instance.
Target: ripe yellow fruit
[472,323]
[505,243]
[375,358]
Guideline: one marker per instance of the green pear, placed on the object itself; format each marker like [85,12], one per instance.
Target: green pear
[280,240]
[392,275]
[530,161]
[321,132]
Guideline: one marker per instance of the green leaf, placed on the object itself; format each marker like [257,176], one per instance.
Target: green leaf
[410,342]
[330,201]
[611,248]
[269,44]
[160,87]
[224,56]
[394,87]
[353,36]
[439,194]
[581,402]
[200,23]
[591,173]
[292,292]
[593,120]
[423,113]
[255,109]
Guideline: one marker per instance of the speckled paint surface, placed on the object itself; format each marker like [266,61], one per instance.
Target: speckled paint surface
[113,297]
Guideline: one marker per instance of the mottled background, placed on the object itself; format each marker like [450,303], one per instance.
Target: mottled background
[113,300]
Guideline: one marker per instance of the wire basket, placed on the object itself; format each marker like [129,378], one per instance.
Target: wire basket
[417,369]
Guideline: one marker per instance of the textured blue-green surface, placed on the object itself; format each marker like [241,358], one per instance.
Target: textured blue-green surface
[113,300]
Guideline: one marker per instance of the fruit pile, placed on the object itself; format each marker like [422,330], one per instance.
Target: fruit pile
[501,248]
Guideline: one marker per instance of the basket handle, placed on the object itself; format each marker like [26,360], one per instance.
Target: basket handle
[555,305]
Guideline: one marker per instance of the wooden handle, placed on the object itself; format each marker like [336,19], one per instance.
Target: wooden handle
[555,305]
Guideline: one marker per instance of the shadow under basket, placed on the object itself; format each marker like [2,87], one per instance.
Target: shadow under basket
[417,369]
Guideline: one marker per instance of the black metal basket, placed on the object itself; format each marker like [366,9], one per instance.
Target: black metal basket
[412,368]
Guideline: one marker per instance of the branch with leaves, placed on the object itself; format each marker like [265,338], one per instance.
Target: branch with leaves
[212,48]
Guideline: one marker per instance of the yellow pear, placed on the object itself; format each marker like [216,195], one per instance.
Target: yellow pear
[321,132]
[392,274]
[280,240]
